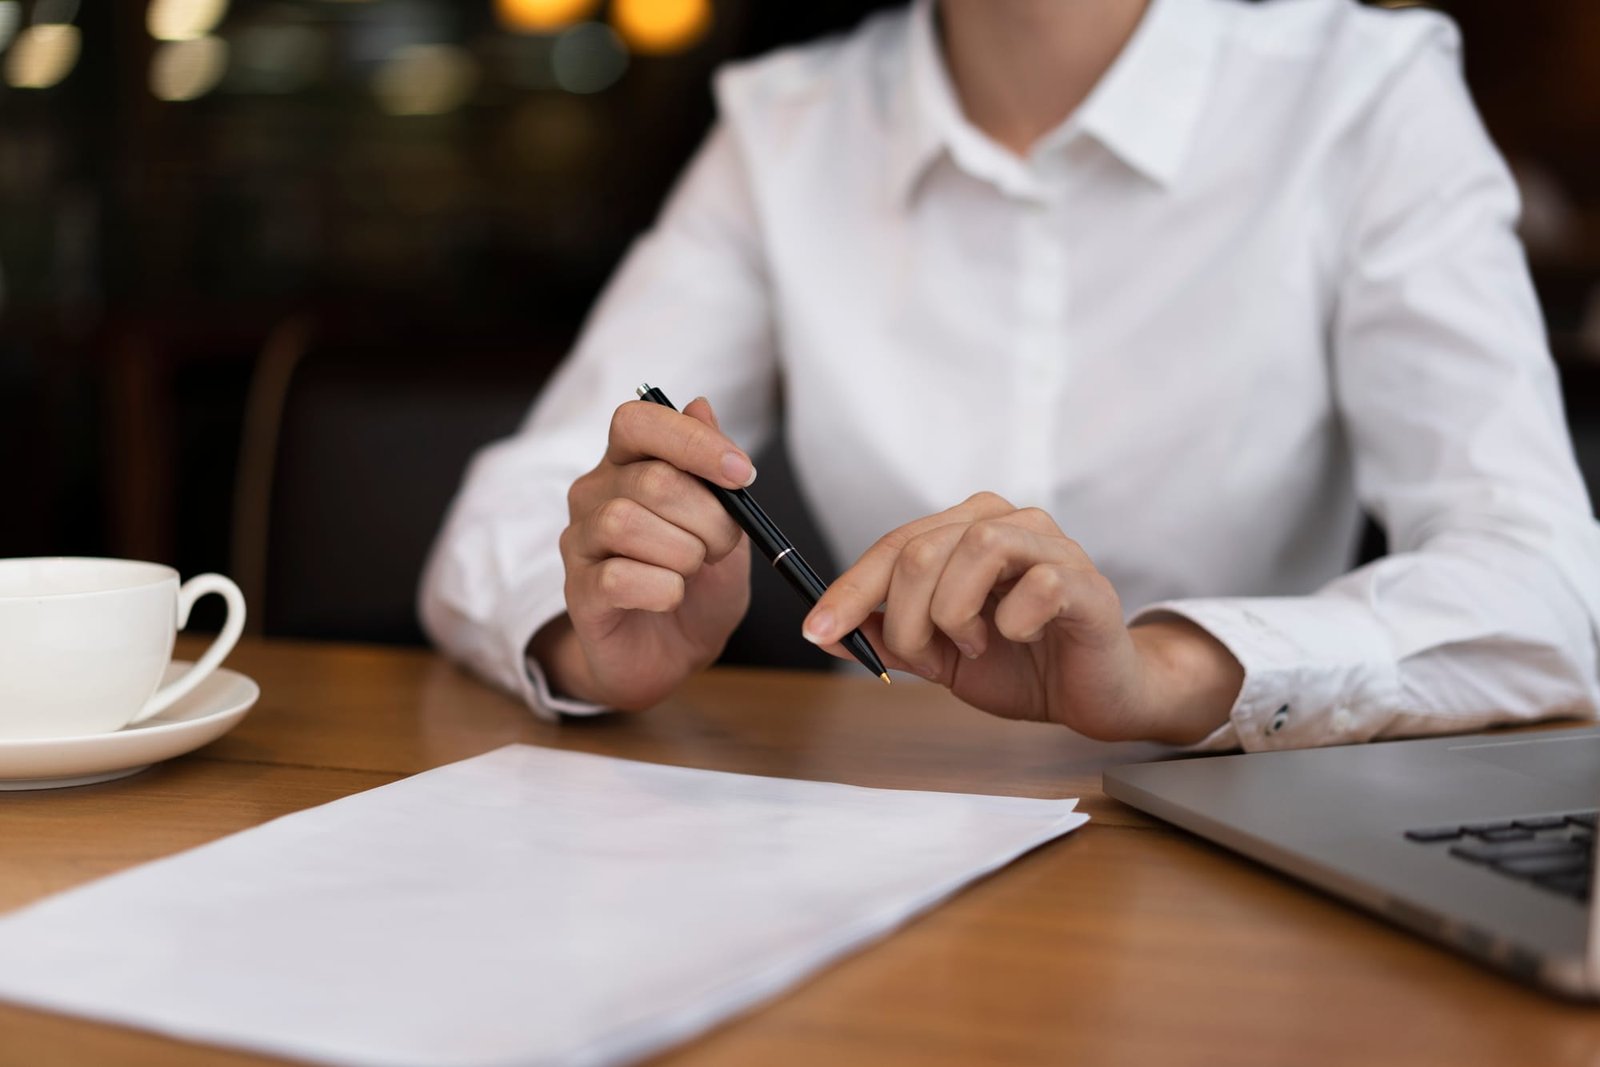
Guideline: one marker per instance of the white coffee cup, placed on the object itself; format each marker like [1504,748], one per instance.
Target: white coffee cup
[84,642]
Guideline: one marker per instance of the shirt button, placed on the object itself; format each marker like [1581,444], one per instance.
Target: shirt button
[1280,719]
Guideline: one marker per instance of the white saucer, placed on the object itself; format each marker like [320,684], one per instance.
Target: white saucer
[214,708]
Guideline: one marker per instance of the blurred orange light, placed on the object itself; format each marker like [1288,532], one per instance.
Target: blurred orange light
[656,27]
[542,16]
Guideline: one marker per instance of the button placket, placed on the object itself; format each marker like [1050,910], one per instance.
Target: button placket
[1041,296]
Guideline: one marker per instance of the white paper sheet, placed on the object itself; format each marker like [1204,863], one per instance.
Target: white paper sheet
[527,906]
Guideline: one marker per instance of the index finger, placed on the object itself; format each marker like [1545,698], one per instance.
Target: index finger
[860,589]
[641,430]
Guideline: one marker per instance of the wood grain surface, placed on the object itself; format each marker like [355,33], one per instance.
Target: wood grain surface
[1126,942]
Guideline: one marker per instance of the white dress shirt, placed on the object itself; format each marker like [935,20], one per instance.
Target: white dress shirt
[1264,276]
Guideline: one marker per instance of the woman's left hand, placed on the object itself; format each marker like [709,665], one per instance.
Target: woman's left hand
[998,605]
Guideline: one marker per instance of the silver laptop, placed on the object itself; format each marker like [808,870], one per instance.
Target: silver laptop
[1485,843]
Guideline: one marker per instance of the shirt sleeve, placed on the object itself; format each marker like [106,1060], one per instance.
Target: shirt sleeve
[688,310]
[1486,610]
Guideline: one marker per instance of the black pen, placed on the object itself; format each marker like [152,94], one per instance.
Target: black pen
[778,549]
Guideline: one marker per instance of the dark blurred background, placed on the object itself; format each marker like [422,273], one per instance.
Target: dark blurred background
[272,268]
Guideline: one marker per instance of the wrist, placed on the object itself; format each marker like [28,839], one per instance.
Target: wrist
[1192,679]
[555,648]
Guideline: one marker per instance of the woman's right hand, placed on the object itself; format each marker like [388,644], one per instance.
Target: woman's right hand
[658,574]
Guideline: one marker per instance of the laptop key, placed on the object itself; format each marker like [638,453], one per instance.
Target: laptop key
[1559,863]
[1494,851]
[1486,827]
[1435,833]
[1511,833]
[1541,822]
[1583,818]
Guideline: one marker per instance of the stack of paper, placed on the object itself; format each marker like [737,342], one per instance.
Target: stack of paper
[528,906]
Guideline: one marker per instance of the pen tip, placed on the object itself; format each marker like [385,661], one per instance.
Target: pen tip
[885,677]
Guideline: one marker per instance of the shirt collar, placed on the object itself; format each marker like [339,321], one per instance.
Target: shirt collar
[1144,109]
[923,111]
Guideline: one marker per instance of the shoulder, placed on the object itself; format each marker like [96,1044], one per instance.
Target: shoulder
[844,77]
[1342,31]
[1338,79]
[1339,54]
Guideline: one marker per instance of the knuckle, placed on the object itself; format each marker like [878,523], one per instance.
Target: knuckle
[693,558]
[725,537]
[890,543]
[609,579]
[614,519]
[985,536]
[624,421]
[946,618]
[988,501]
[656,480]
[670,595]
[579,491]
[1035,518]
[920,558]
[1048,583]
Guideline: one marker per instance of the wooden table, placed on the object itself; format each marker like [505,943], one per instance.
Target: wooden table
[1123,943]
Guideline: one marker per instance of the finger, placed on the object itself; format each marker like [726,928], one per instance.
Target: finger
[861,588]
[624,527]
[1039,521]
[700,408]
[642,430]
[872,628]
[620,584]
[908,630]
[991,552]
[682,500]
[1083,600]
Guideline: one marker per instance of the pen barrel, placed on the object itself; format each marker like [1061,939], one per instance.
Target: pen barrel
[805,581]
[798,573]
[764,533]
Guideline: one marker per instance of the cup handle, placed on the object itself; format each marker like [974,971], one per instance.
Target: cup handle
[188,593]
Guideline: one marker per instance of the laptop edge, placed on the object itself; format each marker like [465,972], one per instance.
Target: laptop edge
[1575,975]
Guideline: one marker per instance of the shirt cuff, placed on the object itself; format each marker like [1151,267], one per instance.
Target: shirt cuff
[523,611]
[1317,670]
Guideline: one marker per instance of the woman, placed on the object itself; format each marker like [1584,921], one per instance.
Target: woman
[1096,325]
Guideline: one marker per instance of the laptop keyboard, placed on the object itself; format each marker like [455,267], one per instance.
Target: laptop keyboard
[1553,852]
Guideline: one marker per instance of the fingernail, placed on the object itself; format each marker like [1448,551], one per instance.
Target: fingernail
[967,650]
[818,625]
[737,469]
